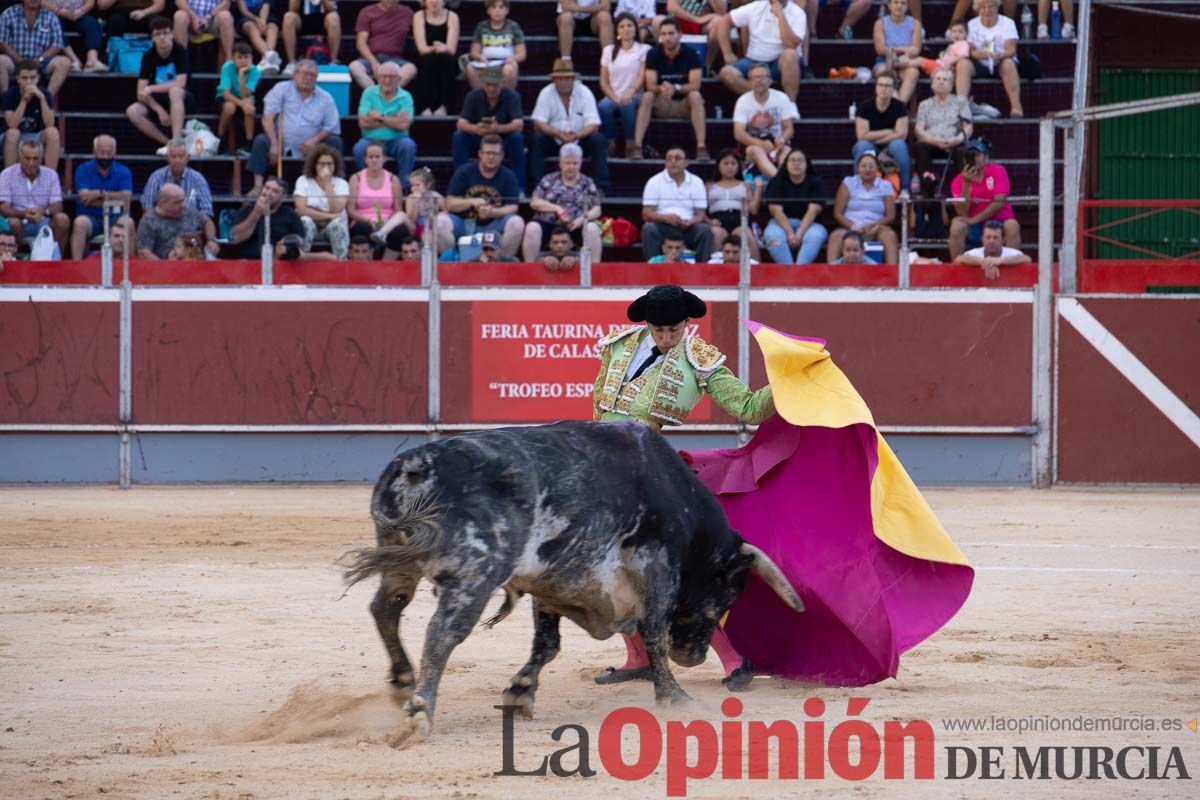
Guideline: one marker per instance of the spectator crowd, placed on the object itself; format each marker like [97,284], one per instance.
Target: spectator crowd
[534,191]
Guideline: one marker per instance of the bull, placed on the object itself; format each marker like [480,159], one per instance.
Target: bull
[601,523]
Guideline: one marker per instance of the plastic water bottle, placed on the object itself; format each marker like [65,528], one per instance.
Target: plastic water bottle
[853,111]
[1026,22]
[1055,21]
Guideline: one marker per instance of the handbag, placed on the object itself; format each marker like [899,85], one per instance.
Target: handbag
[125,52]
[44,247]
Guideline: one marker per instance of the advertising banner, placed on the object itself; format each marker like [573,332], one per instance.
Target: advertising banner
[536,361]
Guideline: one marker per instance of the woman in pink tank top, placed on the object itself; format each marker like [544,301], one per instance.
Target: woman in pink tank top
[376,205]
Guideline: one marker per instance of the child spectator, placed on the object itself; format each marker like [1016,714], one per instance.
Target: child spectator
[956,50]
[28,115]
[673,251]
[497,42]
[239,79]
[187,247]
[421,201]
[561,254]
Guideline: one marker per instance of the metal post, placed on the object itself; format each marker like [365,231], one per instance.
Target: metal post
[744,307]
[429,241]
[268,250]
[904,254]
[435,353]
[1067,257]
[585,253]
[106,264]
[1043,308]
[125,378]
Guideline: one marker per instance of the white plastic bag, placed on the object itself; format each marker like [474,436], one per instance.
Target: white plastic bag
[200,140]
[44,247]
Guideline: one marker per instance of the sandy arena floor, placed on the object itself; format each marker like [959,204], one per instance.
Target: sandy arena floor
[189,642]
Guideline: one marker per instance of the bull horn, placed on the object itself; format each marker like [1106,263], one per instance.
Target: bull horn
[765,568]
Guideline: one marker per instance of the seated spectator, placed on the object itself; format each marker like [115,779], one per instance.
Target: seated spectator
[593,15]
[99,180]
[187,247]
[865,203]
[646,19]
[898,38]
[673,251]
[410,250]
[993,42]
[622,76]
[385,114]
[120,234]
[982,188]
[566,113]
[955,51]
[882,124]
[128,16]
[361,249]
[177,171]
[8,247]
[943,128]
[1067,7]
[496,42]
[380,34]
[163,77]
[257,21]
[194,18]
[307,114]
[993,254]
[560,254]
[482,196]
[674,203]
[673,75]
[424,204]
[777,29]
[853,250]
[726,194]
[696,17]
[376,207]
[310,18]
[486,243]
[249,228]
[31,198]
[169,217]
[321,196]
[435,34]
[855,10]
[28,31]
[493,110]
[730,252]
[795,198]
[763,122]
[961,6]
[239,80]
[29,115]
[75,15]
[565,199]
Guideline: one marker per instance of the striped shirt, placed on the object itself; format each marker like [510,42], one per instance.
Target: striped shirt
[23,193]
[30,43]
[195,189]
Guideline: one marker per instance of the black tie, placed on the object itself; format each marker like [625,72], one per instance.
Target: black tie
[650,359]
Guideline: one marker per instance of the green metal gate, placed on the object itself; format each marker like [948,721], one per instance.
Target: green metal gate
[1153,156]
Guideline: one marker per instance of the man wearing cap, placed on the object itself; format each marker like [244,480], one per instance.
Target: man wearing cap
[655,373]
[566,112]
[486,245]
[982,188]
[491,109]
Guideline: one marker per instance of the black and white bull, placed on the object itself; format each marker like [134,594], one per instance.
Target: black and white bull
[602,523]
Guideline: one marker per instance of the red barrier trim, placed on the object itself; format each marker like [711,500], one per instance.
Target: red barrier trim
[1133,276]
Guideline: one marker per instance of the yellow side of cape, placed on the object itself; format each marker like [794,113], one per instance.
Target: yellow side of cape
[809,389]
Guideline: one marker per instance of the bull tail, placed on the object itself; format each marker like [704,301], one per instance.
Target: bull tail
[410,533]
[511,596]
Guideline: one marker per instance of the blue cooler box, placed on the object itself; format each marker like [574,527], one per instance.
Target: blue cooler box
[335,79]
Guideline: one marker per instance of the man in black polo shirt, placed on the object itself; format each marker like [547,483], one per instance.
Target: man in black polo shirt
[672,87]
[248,222]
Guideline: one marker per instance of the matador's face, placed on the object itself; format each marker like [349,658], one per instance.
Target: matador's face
[667,336]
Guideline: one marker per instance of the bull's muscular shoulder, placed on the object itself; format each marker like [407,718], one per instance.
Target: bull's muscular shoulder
[620,333]
[704,356]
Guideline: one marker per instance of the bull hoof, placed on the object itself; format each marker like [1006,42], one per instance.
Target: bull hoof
[739,679]
[521,697]
[415,730]
[402,689]
[677,697]
[614,675]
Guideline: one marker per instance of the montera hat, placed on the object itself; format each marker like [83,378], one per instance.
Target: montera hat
[666,304]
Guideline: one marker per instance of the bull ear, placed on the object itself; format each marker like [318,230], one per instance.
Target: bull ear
[765,568]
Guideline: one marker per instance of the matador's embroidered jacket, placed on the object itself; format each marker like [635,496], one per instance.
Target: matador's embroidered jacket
[668,391]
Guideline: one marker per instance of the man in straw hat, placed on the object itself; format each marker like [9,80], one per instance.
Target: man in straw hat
[566,112]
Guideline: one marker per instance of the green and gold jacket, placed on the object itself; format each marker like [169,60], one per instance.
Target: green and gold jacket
[668,391]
